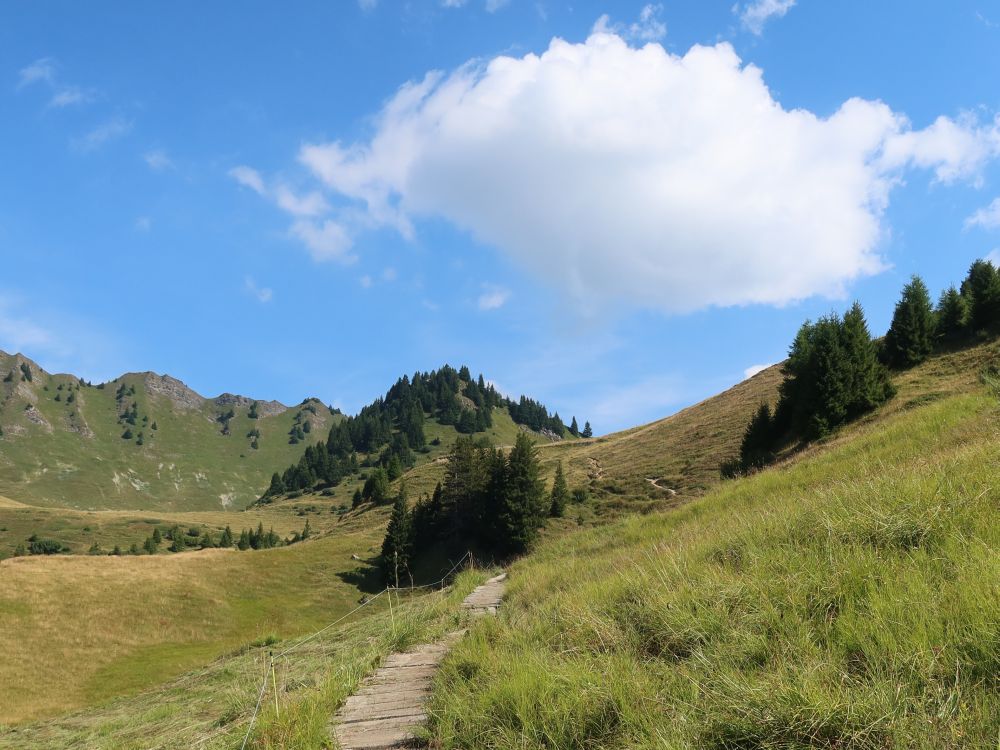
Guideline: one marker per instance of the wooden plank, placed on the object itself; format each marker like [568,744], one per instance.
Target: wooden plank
[390,705]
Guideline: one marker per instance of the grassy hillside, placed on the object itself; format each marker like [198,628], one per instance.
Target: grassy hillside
[849,598]
[655,465]
[90,628]
[210,707]
[62,443]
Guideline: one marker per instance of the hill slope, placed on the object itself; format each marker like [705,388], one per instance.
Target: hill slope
[656,464]
[62,441]
[847,598]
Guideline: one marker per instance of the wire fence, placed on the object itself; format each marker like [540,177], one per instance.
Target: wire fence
[269,667]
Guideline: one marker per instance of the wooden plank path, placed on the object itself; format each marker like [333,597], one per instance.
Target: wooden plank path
[391,704]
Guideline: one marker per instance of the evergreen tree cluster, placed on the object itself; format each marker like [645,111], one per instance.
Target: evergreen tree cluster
[918,327]
[835,372]
[492,501]
[390,431]
[535,416]
[197,538]
[128,415]
[832,375]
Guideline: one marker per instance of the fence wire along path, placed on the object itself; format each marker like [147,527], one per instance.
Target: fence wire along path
[390,705]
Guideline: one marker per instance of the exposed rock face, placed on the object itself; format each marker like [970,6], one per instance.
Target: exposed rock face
[545,432]
[264,408]
[35,416]
[172,389]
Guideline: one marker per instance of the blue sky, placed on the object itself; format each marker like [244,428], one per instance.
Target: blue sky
[616,208]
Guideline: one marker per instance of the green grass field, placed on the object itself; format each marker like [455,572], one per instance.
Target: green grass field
[211,707]
[848,599]
[91,628]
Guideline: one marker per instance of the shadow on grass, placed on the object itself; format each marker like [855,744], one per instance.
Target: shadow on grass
[366,577]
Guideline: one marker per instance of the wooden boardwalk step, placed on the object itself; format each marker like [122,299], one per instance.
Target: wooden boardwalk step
[391,704]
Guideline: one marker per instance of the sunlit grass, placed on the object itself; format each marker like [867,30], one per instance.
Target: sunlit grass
[851,599]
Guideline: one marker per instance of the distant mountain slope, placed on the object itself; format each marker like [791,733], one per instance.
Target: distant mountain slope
[142,441]
[673,457]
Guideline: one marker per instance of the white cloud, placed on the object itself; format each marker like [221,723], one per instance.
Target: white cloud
[42,70]
[365,281]
[664,181]
[452,3]
[325,240]
[993,256]
[68,96]
[367,5]
[309,204]
[143,223]
[493,297]
[262,294]
[390,274]
[104,133]
[988,217]
[248,177]
[754,369]
[157,160]
[986,21]
[492,6]
[649,27]
[953,149]
[753,15]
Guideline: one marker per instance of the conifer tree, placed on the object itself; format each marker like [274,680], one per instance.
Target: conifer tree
[951,315]
[277,486]
[394,469]
[397,545]
[358,498]
[149,546]
[574,429]
[376,487]
[758,440]
[226,540]
[522,506]
[982,290]
[868,380]
[587,431]
[157,538]
[910,338]
[244,542]
[560,494]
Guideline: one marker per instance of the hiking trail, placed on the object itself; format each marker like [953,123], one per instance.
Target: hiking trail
[390,705]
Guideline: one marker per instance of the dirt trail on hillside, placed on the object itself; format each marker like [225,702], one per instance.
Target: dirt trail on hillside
[390,705]
[656,483]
